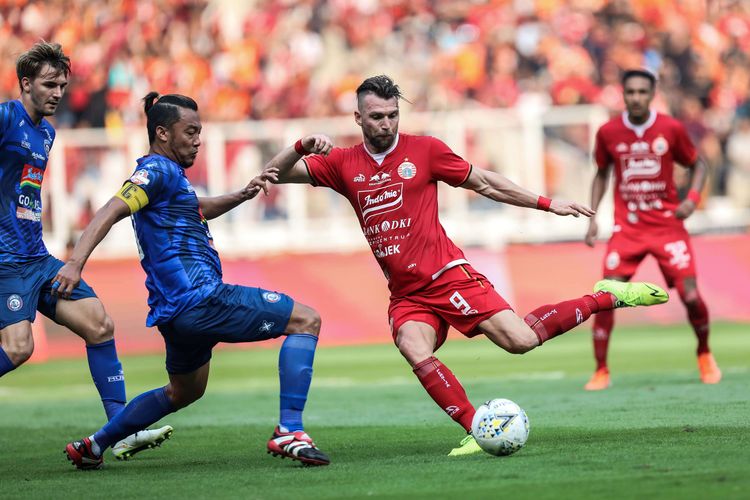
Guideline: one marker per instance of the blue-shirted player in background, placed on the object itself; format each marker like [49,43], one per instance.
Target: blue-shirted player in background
[191,306]
[26,267]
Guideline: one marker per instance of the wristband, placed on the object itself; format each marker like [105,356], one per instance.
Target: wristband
[543,203]
[694,196]
[300,149]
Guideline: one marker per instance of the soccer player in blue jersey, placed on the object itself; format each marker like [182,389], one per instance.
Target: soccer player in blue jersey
[189,303]
[26,267]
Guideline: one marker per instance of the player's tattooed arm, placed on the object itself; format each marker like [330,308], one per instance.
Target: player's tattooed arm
[69,275]
[501,189]
[288,167]
[698,180]
[214,206]
[598,188]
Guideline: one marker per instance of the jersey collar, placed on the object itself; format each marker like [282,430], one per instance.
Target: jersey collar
[639,129]
[26,115]
[380,157]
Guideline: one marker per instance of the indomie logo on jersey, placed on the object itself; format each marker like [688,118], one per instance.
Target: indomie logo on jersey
[32,177]
[640,166]
[379,201]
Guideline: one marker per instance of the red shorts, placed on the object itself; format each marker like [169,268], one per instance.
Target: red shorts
[671,249]
[460,297]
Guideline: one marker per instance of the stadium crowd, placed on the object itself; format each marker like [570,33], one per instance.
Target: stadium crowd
[303,58]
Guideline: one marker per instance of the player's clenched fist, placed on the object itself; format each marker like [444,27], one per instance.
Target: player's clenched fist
[317,144]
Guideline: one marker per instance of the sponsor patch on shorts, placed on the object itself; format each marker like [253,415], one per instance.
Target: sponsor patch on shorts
[15,302]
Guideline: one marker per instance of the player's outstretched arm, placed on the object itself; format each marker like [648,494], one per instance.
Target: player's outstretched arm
[501,189]
[598,188]
[287,166]
[69,275]
[689,204]
[215,206]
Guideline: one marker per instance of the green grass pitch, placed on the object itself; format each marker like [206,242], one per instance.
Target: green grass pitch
[657,433]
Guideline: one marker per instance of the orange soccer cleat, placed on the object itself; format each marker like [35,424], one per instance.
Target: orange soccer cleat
[710,373]
[599,380]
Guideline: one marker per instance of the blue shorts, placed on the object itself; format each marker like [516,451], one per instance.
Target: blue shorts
[232,313]
[26,288]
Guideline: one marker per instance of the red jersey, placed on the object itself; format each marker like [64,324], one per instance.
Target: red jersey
[643,157]
[396,204]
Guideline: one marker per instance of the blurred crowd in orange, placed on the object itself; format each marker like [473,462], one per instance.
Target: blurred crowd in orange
[300,58]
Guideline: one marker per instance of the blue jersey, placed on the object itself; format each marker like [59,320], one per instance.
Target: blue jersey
[176,248]
[24,148]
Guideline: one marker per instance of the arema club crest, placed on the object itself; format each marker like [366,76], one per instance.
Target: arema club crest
[15,302]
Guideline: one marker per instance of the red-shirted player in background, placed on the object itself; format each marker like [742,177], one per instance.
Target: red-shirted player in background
[643,145]
[391,182]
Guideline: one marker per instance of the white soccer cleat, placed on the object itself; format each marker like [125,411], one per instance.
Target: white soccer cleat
[141,440]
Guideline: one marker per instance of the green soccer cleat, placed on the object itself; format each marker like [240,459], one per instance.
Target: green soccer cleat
[633,294]
[467,446]
[141,440]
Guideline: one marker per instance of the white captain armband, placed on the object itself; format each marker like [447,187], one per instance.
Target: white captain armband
[133,195]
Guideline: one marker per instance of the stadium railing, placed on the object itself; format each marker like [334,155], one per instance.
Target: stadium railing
[546,149]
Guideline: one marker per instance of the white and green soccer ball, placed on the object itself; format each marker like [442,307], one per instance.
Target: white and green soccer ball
[500,427]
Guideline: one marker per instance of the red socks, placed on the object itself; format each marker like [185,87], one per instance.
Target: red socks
[698,316]
[445,389]
[603,324]
[551,320]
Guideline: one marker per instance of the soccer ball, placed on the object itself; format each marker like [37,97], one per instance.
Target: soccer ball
[500,427]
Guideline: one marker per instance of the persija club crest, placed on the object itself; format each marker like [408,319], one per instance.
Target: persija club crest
[407,170]
[660,146]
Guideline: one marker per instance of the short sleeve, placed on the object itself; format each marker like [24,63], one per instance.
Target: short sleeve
[601,155]
[5,118]
[154,181]
[51,133]
[326,170]
[447,166]
[684,150]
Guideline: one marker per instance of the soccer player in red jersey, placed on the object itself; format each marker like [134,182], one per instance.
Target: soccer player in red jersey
[391,182]
[641,146]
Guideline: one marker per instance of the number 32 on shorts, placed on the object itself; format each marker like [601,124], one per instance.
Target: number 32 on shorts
[460,303]
[679,255]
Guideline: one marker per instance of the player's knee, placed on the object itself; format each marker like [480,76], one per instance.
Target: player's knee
[522,342]
[413,352]
[304,320]
[102,330]
[20,352]
[690,298]
[182,397]
[520,347]
[688,292]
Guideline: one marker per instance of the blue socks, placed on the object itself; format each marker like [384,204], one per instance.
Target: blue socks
[141,412]
[295,373]
[106,371]
[6,364]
